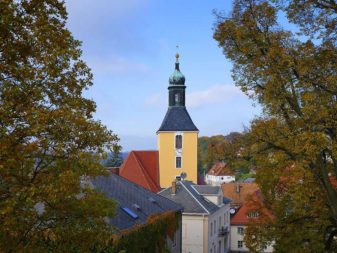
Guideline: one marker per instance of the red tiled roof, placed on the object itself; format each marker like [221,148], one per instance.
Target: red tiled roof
[252,203]
[220,169]
[142,168]
[238,195]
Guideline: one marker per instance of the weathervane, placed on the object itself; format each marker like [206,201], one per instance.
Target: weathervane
[177,54]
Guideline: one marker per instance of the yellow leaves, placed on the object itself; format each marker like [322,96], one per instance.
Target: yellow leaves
[48,139]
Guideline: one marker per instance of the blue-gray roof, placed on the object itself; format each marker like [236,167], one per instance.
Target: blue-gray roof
[177,119]
[189,198]
[134,198]
[207,189]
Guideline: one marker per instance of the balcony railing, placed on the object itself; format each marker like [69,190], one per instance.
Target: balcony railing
[223,231]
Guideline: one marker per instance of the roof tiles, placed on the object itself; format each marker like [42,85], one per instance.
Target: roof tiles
[142,168]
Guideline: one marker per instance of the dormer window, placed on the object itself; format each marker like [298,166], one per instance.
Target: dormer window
[253,214]
[179,141]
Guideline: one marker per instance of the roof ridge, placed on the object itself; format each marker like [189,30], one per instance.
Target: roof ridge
[195,198]
[148,179]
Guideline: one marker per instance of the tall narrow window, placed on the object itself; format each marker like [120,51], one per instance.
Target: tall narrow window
[177,98]
[179,141]
[178,162]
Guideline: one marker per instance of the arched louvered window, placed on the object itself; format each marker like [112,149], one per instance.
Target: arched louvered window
[179,141]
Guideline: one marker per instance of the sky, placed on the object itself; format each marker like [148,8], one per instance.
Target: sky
[130,45]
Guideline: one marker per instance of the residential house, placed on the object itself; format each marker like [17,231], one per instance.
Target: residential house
[238,192]
[205,218]
[135,205]
[245,214]
[242,212]
[220,173]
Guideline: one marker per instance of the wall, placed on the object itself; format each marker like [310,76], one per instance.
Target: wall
[218,180]
[167,154]
[235,237]
[193,238]
[218,223]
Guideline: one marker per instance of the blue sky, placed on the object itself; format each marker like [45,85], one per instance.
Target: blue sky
[130,47]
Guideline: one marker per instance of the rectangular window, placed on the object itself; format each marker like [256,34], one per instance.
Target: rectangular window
[179,141]
[240,230]
[240,244]
[211,228]
[178,162]
[214,227]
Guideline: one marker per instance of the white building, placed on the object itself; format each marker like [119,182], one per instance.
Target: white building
[240,219]
[205,218]
[220,173]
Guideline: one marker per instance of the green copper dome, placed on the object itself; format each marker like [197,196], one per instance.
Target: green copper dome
[177,78]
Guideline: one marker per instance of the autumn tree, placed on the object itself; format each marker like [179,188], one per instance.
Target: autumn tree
[50,145]
[293,75]
[115,157]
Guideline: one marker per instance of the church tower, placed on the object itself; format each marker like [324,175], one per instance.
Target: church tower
[177,136]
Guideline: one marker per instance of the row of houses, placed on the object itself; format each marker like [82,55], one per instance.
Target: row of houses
[213,217]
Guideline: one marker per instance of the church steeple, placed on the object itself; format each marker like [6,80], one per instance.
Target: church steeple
[177,86]
[177,117]
[177,135]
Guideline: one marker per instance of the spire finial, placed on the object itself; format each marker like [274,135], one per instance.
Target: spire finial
[177,54]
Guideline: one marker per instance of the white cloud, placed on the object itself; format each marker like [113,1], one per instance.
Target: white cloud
[215,94]
[116,64]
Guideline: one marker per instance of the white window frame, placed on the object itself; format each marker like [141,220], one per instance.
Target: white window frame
[240,230]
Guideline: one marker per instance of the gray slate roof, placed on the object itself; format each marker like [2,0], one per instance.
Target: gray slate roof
[177,119]
[190,199]
[126,194]
[207,189]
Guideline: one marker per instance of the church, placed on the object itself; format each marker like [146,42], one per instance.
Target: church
[177,142]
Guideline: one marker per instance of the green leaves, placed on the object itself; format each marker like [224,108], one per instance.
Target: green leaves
[294,80]
[49,141]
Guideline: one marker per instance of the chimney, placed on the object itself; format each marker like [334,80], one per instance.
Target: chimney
[237,187]
[174,187]
[114,170]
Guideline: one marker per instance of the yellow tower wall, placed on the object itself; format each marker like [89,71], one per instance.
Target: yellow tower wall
[167,157]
